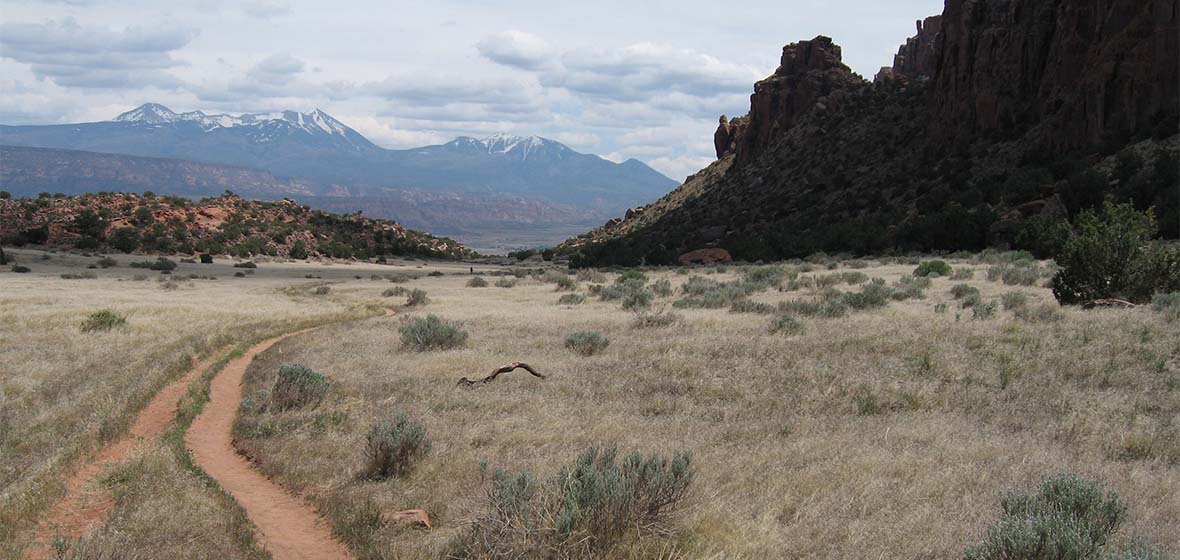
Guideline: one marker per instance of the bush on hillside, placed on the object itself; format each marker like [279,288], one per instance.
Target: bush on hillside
[933,268]
[103,321]
[477,282]
[587,343]
[1107,254]
[417,297]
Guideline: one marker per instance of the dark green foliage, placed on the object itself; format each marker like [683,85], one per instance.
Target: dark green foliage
[393,446]
[206,258]
[19,269]
[477,282]
[582,511]
[298,250]
[565,283]
[933,268]
[586,343]
[637,299]
[431,333]
[79,276]
[1069,518]
[298,386]
[1103,252]
[435,273]
[786,324]
[417,297]
[102,321]
[871,296]
[247,264]
[396,291]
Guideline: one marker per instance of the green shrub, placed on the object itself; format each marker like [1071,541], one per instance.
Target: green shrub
[477,282]
[19,269]
[786,324]
[79,276]
[1168,304]
[1102,252]
[970,300]
[769,275]
[583,511]
[866,402]
[960,291]
[417,297]
[933,268]
[298,386]
[566,284]
[854,277]
[1013,300]
[1069,518]
[395,291]
[102,321]
[247,264]
[319,291]
[435,273]
[393,446]
[206,258]
[431,333]
[870,296]
[162,264]
[586,343]
[505,283]
[400,277]
[571,299]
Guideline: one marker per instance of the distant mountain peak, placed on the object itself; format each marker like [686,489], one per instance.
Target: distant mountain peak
[315,122]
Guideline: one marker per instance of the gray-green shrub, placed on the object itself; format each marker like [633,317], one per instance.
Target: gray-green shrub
[1068,518]
[1013,300]
[417,297]
[582,511]
[962,274]
[393,446]
[656,319]
[298,386]
[395,291]
[431,333]
[477,282]
[786,324]
[505,283]
[747,306]
[586,343]
[662,287]
[571,299]
[1168,304]
[960,291]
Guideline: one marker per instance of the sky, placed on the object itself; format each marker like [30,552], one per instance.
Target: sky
[640,79]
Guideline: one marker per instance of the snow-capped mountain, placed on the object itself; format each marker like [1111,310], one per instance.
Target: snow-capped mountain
[319,151]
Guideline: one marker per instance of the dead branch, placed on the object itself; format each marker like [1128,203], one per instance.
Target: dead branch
[1108,302]
[413,516]
[464,382]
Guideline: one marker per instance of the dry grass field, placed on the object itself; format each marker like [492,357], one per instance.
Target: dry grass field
[887,432]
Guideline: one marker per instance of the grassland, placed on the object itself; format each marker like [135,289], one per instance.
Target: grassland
[889,432]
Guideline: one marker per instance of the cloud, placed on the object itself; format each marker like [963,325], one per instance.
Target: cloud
[77,56]
[647,71]
[263,9]
[517,49]
[276,69]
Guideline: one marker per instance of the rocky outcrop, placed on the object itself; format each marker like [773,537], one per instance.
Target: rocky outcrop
[915,59]
[808,72]
[705,256]
[1084,74]
[987,111]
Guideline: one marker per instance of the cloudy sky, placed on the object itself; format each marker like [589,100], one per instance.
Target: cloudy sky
[644,79]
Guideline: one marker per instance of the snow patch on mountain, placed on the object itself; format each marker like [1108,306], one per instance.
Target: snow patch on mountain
[315,122]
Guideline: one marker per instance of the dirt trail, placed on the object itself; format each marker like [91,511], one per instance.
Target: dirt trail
[85,505]
[288,526]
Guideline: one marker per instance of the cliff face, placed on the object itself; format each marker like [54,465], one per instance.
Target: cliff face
[1086,74]
[993,108]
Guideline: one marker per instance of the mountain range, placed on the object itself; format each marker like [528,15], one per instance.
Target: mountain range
[312,155]
[997,123]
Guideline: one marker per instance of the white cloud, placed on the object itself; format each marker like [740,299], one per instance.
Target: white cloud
[517,49]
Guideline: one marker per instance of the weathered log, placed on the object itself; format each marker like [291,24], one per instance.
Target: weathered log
[464,382]
[413,516]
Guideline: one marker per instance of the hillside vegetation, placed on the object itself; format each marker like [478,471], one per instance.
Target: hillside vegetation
[226,224]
